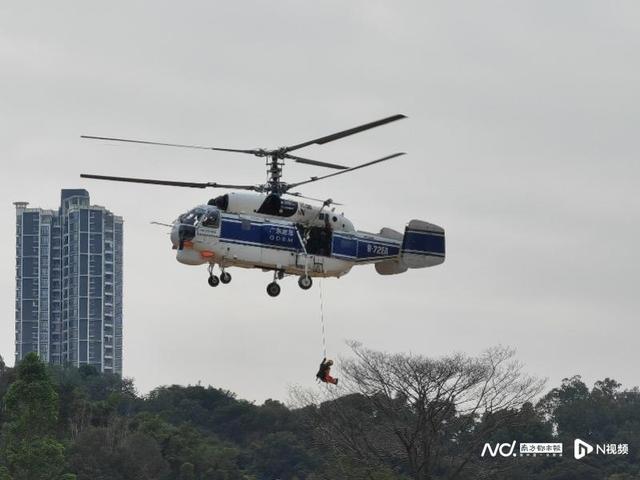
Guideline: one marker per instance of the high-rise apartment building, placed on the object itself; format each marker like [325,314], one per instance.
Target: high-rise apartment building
[69,283]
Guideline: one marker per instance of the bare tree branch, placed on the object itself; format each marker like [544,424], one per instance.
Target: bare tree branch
[413,410]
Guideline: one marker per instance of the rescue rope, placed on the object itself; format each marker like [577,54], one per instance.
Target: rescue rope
[324,338]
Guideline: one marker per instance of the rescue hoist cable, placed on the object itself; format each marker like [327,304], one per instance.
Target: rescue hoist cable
[324,338]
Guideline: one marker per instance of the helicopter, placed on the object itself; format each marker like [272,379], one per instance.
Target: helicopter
[271,227]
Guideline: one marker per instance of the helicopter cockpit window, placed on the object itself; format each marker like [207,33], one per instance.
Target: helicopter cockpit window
[192,217]
[211,219]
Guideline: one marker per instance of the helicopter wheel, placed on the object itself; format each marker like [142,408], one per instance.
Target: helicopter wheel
[305,282]
[225,277]
[213,281]
[273,289]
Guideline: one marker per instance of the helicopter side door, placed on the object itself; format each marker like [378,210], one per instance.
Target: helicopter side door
[319,241]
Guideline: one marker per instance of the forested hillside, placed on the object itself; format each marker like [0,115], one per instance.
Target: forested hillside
[68,423]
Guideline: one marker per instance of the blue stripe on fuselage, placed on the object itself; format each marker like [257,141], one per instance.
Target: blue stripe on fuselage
[369,249]
[344,246]
[425,243]
[351,247]
[362,249]
[260,234]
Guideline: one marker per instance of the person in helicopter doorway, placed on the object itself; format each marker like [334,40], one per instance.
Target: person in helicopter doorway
[324,373]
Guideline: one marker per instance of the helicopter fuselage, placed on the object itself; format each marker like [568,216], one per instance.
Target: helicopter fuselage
[310,241]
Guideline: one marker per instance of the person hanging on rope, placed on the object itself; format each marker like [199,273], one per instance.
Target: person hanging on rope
[324,373]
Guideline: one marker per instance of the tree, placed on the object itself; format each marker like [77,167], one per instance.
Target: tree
[4,473]
[37,459]
[2,365]
[419,414]
[31,401]
[31,405]
[600,416]
[187,471]
[280,455]
[93,454]
[140,457]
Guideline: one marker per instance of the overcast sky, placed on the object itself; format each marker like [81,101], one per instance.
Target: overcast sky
[522,142]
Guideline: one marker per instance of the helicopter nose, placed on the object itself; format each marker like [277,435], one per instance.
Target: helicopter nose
[185,233]
[181,233]
[175,237]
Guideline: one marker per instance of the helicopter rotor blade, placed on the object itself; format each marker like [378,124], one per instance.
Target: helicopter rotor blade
[299,195]
[345,133]
[357,167]
[171,183]
[145,142]
[315,162]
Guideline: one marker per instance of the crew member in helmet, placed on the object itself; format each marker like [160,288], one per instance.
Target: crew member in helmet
[324,373]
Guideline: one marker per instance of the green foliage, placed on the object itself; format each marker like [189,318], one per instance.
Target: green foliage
[31,406]
[623,476]
[281,455]
[4,473]
[140,457]
[343,466]
[31,402]
[604,414]
[36,459]
[187,471]
[67,423]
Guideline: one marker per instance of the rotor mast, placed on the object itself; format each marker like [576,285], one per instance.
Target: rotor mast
[275,162]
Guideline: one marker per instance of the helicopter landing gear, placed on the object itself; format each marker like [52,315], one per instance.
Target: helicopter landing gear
[213,280]
[225,277]
[305,282]
[273,289]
